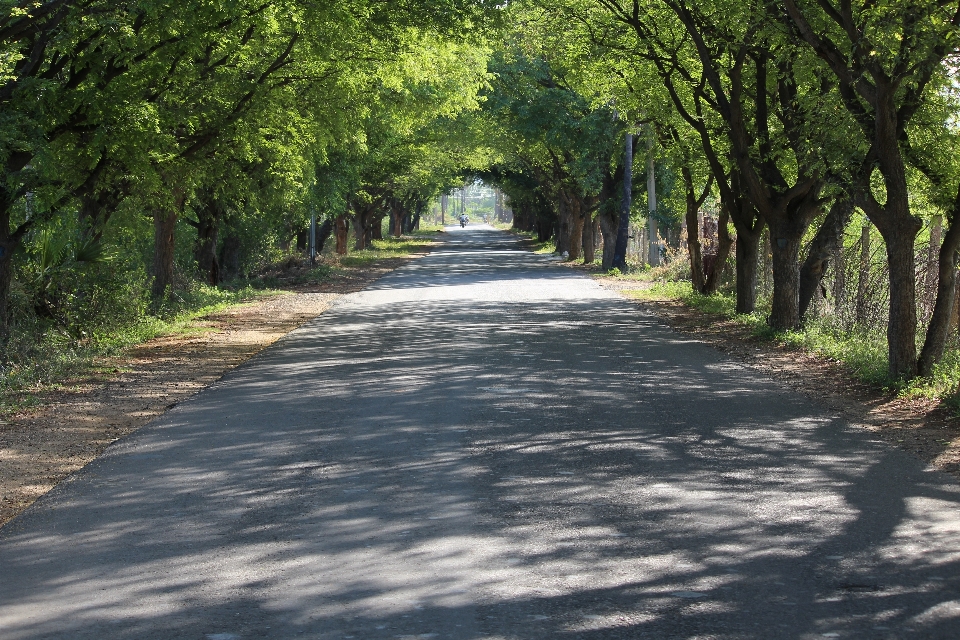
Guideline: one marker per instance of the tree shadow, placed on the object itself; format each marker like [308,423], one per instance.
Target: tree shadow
[467,465]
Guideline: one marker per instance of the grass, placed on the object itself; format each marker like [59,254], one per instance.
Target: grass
[34,366]
[541,248]
[863,353]
[389,248]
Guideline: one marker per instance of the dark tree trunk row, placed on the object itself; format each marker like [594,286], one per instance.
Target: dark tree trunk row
[825,245]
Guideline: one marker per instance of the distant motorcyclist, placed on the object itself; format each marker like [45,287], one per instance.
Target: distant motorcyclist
[463,220]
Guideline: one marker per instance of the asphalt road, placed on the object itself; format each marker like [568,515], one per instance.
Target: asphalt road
[486,445]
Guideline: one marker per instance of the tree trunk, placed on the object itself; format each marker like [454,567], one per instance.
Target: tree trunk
[785,308]
[164,237]
[544,229]
[698,278]
[930,291]
[375,230]
[208,231]
[609,223]
[714,272]
[230,255]
[591,228]
[766,262]
[826,243]
[577,224]
[342,229]
[748,258]
[939,329]
[6,280]
[323,234]
[692,220]
[396,220]
[902,321]
[623,229]
[8,244]
[361,220]
[563,226]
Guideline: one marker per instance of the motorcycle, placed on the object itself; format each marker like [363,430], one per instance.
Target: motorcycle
[463,222]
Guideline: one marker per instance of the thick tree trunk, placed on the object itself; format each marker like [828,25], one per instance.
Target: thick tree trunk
[164,237]
[939,329]
[361,219]
[590,228]
[323,234]
[230,255]
[577,224]
[563,227]
[8,243]
[544,229]
[698,278]
[210,213]
[609,224]
[6,282]
[826,244]
[623,228]
[748,259]
[342,229]
[902,321]
[208,231]
[375,229]
[785,233]
[785,307]
[396,220]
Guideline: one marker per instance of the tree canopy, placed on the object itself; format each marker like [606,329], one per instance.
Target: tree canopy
[126,125]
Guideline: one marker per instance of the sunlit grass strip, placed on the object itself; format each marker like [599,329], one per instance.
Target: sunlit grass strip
[57,357]
[864,353]
[389,248]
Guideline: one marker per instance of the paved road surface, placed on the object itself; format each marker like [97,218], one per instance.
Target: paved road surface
[486,445]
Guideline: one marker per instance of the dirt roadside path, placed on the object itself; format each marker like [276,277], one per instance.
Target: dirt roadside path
[72,426]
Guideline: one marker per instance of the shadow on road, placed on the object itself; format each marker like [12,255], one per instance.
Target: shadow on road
[488,466]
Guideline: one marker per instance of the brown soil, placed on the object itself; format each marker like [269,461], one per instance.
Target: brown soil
[924,428]
[76,422]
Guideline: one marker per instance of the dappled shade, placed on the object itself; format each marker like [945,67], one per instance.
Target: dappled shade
[485,444]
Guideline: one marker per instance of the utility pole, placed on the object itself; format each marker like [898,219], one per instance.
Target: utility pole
[443,209]
[620,250]
[654,251]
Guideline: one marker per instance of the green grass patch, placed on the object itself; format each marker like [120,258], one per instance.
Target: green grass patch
[542,248]
[635,273]
[717,304]
[34,364]
[863,353]
[389,248]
